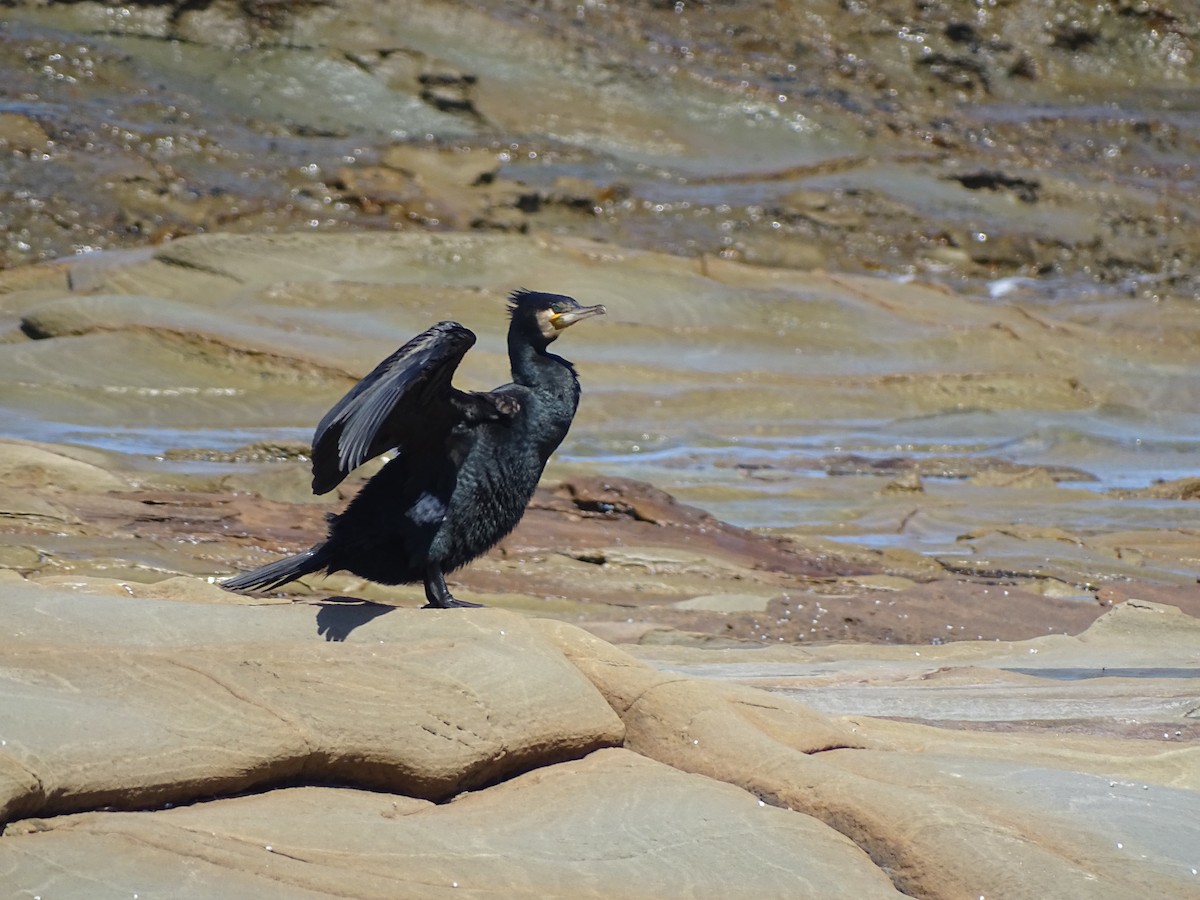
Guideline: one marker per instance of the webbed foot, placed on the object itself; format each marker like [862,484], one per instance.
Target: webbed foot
[451,602]
[438,594]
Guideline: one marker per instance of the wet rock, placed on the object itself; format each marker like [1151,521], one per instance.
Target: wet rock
[449,91]
[623,497]
[441,188]
[238,23]
[963,72]
[880,109]
[1035,478]
[577,194]
[726,603]
[1187,488]
[1025,189]
[909,483]
[448,166]
[988,469]
[260,451]
[22,134]
[1072,35]
[30,466]
[377,189]
[398,67]
[791,254]
[221,24]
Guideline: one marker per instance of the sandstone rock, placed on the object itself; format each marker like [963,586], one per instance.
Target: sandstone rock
[726,603]
[945,813]
[128,703]
[22,134]
[124,703]
[30,465]
[612,825]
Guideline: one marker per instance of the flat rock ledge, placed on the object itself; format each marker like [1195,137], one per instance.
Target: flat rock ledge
[160,747]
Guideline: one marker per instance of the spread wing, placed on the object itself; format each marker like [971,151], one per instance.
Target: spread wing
[409,388]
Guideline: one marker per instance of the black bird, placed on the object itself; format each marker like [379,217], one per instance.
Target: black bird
[467,465]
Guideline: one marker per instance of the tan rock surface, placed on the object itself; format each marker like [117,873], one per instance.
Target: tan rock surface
[129,703]
[946,813]
[116,702]
[613,824]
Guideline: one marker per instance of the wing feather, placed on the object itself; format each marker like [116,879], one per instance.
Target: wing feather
[410,386]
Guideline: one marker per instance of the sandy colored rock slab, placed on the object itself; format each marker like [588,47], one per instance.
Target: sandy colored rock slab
[1135,634]
[138,703]
[612,825]
[27,465]
[726,603]
[1134,672]
[946,813]
[128,703]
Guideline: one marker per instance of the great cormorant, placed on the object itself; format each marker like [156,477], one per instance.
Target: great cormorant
[467,462]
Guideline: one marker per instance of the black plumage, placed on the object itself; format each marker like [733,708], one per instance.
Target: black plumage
[467,462]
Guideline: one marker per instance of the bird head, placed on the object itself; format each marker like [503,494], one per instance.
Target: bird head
[546,315]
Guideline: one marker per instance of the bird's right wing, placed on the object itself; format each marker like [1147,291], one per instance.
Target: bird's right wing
[409,387]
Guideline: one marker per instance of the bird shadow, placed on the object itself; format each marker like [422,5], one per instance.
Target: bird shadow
[338,616]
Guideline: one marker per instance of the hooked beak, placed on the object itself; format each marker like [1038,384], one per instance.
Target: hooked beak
[570,317]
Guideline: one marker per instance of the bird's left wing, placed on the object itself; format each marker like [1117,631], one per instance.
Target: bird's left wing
[410,386]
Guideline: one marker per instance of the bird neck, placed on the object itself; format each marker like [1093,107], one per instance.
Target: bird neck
[532,366]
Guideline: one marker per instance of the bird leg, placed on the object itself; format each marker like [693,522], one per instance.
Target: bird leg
[437,593]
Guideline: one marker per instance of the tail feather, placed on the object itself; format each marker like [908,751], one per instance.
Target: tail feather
[280,572]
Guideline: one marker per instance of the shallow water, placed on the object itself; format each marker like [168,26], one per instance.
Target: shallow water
[1076,674]
[784,481]
[773,480]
